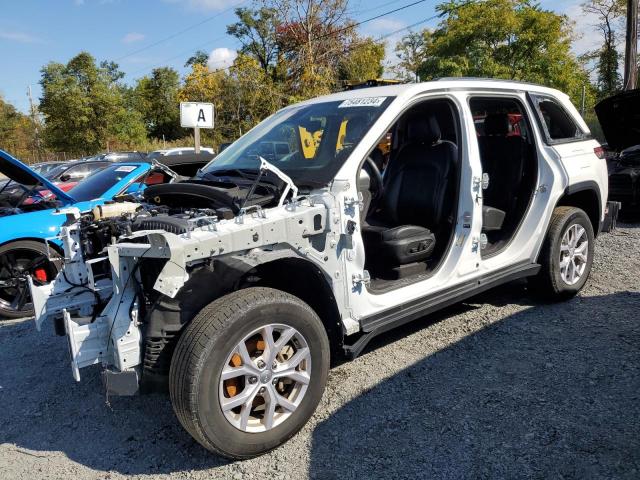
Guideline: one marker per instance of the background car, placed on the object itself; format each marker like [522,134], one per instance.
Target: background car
[178,151]
[45,167]
[119,157]
[187,164]
[68,175]
[29,222]
[620,123]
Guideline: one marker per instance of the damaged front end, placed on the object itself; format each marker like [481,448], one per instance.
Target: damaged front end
[120,297]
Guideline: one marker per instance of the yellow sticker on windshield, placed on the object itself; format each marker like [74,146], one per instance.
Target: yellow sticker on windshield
[363,102]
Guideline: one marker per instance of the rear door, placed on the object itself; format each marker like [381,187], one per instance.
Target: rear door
[569,140]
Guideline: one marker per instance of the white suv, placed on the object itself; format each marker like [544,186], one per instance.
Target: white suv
[236,288]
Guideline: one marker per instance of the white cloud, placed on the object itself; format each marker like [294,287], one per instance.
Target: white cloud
[19,37]
[78,2]
[132,37]
[385,25]
[221,58]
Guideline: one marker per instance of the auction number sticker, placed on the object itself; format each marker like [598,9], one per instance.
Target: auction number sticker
[126,168]
[363,102]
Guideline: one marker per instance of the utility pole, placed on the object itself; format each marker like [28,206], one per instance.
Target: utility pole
[34,118]
[631,50]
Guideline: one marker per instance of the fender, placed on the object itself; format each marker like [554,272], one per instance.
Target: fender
[588,185]
[168,316]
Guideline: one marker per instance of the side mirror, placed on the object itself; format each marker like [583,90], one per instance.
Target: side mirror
[65,177]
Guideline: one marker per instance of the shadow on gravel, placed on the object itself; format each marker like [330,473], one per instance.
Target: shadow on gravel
[550,392]
[42,409]
[553,391]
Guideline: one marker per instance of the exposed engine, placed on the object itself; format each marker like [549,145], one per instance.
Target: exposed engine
[175,208]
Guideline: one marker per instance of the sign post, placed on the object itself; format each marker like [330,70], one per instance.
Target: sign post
[196,115]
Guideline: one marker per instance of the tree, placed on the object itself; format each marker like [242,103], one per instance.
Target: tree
[17,134]
[203,85]
[313,37]
[199,58]
[256,31]
[411,51]
[157,101]
[512,39]
[242,96]
[607,57]
[83,106]
[363,61]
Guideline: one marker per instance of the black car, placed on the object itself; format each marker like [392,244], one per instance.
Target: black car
[186,164]
[619,117]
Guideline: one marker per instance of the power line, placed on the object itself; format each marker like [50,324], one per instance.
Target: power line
[178,55]
[350,48]
[349,27]
[326,35]
[180,32]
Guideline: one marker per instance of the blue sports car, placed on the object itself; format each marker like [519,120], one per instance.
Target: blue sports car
[29,223]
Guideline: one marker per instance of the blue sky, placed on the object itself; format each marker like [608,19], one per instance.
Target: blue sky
[35,32]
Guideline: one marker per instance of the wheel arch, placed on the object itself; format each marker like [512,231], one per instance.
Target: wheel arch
[586,196]
[306,281]
[167,317]
[51,244]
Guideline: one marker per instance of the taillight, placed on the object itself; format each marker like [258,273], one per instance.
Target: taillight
[600,153]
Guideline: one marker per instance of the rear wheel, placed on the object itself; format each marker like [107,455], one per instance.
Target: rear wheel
[567,253]
[19,260]
[249,371]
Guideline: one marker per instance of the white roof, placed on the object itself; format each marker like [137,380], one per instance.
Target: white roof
[411,89]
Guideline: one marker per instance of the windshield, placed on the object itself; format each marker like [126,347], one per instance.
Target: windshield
[308,142]
[94,186]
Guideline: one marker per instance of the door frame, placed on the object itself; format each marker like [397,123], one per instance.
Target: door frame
[462,259]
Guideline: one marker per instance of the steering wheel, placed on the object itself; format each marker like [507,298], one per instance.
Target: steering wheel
[375,175]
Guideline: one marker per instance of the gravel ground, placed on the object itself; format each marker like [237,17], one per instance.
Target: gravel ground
[502,386]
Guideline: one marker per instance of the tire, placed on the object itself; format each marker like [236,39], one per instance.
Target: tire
[16,260]
[553,281]
[208,345]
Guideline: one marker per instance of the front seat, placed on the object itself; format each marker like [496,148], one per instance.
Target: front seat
[416,194]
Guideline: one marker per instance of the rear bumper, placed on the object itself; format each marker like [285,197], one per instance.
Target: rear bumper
[610,217]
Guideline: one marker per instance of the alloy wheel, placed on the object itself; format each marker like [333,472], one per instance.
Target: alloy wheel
[574,253]
[265,378]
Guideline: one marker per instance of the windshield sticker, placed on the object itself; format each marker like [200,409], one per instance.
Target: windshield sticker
[126,168]
[363,102]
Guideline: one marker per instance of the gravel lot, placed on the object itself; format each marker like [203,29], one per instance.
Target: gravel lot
[502,386]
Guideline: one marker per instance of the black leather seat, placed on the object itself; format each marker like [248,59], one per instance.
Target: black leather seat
[417,188]
[503,157]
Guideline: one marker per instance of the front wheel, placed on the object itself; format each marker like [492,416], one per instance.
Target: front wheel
[19,260]
[249,371]
[567,253]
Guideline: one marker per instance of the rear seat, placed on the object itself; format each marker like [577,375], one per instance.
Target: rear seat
[503,158]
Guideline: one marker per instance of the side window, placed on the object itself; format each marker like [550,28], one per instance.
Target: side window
[557,123]
[495,116]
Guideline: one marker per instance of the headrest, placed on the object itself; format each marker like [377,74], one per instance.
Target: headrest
[497,124]
[423,129]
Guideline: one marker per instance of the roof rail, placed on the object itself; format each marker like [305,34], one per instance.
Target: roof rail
[488,79]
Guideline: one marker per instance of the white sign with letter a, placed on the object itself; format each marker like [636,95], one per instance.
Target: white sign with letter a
[196,115]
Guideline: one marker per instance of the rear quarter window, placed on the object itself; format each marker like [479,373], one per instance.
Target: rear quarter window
[557,123]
